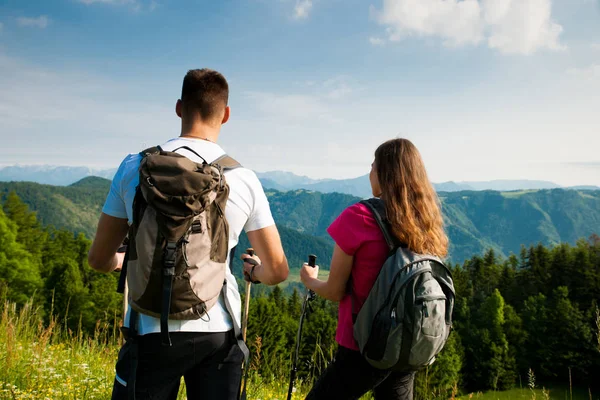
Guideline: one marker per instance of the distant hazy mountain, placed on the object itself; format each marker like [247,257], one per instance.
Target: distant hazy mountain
[287,179]
[278,180]
[452,186]
[503,185]
[360,186]
[51,175]
[584,187]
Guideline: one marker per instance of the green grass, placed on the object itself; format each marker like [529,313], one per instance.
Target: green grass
[40,361]
[517,193]
[45,361]
[528,394]
[294,277]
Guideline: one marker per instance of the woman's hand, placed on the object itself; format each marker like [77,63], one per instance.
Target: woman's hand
[308,273]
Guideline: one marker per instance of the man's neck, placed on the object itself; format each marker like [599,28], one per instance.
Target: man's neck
[201,131]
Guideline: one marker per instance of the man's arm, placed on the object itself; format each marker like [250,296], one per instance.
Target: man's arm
[274,266]
[110,234]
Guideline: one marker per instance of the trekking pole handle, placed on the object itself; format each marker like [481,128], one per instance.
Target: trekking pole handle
[250,252]
[253,262]
[312,262]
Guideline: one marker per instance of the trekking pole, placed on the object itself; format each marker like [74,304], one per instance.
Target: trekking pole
[250,252]
[122,285]
[246,368]
[309,296]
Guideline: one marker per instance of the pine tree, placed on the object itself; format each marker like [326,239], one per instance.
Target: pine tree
[30,233]
[19,273]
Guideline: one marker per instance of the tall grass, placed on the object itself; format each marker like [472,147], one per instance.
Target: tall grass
[47,361]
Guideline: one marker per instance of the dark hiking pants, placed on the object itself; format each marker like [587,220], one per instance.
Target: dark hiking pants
[349,377]
[210,364]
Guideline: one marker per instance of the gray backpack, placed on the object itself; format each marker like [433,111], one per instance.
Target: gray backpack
[407,316]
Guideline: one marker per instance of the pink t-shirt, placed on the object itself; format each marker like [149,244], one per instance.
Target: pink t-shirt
[356,232]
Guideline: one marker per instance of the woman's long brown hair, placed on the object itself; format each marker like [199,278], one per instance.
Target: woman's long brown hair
[411,203]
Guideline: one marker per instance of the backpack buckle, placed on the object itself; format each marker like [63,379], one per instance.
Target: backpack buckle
[169,256]
[196,227]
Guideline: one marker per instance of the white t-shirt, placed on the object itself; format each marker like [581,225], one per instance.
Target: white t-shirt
[247,208]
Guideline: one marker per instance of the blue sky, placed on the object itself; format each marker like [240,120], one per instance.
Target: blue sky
[486,89]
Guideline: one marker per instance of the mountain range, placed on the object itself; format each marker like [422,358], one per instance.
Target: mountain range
[475,220]
[361,187]
[278,180]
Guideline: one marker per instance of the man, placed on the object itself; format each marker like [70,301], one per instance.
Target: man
[204,351]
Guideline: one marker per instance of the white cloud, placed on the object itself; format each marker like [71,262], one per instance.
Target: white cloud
[302,8]
[46,107]
[289,106]
[115,2]
[510,26]
[136,5]
[595,46]
[376,41]
[40,22]
[337,88]
[591,72]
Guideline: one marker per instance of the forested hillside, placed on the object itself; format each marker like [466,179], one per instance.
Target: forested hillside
[75,208]
[475,220]
[536,311]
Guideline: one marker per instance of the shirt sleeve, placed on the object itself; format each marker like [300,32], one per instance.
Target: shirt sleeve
[348,230]
[115,202]
[260,216]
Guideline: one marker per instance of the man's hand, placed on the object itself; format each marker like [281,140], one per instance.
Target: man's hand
[103,254]
[250,268]
[274,266]
[120,259]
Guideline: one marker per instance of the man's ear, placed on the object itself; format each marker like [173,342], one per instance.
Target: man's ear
[226,115]
[178,107]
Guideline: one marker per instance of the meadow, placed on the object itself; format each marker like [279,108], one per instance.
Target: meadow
[42,361]
[49,361]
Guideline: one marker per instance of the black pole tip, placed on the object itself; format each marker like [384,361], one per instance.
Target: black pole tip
[312,260]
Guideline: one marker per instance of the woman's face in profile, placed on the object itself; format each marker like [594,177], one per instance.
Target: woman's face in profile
[375,189]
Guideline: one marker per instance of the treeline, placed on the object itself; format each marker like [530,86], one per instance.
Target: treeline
[534,311]
[50,266]
[537,311]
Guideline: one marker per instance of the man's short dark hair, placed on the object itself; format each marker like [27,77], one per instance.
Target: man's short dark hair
[205,92]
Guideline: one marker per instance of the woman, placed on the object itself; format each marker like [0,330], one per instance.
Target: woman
[399,178]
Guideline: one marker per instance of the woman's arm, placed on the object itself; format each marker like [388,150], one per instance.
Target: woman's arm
[334,288]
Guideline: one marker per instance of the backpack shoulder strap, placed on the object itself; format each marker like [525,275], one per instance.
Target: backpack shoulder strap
[150,150]
[226,162]
[378,209]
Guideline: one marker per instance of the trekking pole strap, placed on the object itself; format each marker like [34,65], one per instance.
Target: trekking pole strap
[298,339]
[123,275]
[238,336]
